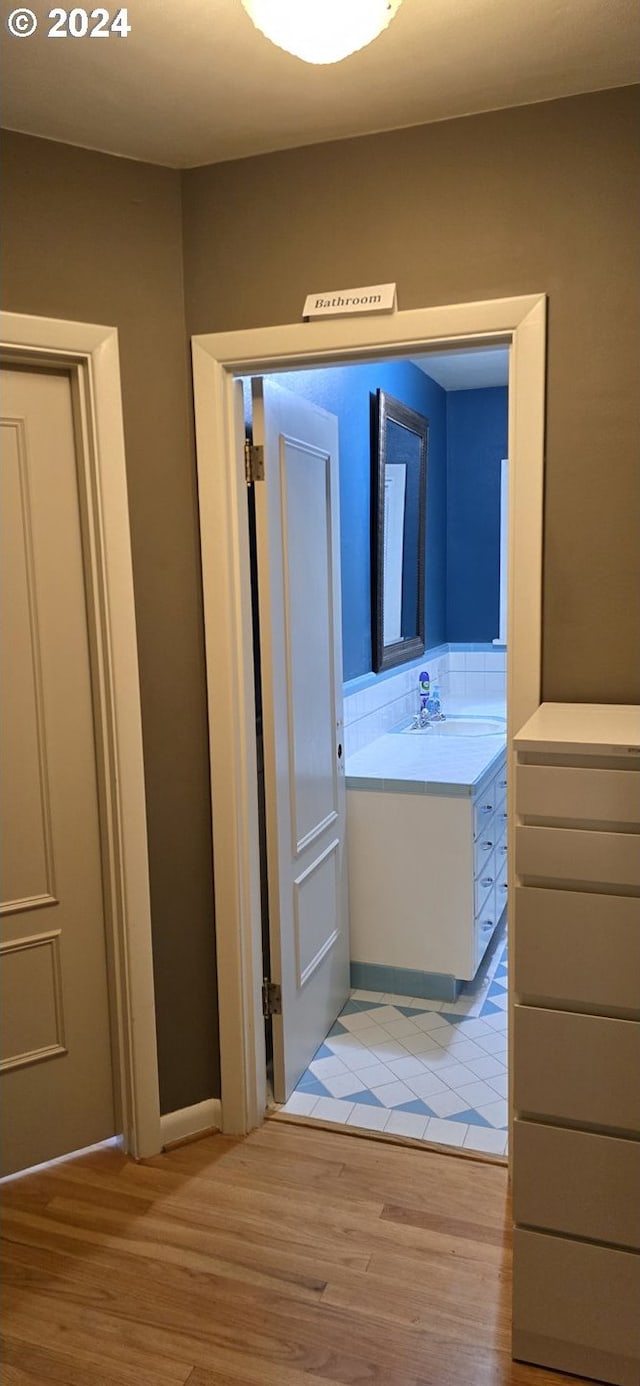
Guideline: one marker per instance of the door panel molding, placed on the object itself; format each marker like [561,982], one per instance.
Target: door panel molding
[219,359]
[33,818]
[52,983]
[89,353]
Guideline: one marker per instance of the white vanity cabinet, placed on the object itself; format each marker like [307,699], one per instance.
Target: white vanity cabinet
[427,880]
[576,1042]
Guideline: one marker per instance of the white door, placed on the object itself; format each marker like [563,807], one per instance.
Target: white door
[55,1060]
[298,543]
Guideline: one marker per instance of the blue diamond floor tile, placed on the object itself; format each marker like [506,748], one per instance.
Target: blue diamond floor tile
[366,1096]
[353,1006]
[413,1010]
[472,1117]
[309,1083]
[416,1106]
[337,1029]
[324,1052]
[490,1009]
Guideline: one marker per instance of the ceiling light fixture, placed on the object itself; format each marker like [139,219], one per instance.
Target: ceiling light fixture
[321,31]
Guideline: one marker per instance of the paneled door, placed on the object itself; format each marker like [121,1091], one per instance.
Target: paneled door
[298,542]
[56,1081]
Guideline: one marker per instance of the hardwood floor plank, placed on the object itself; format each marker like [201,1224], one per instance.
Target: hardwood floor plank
[295,1255]
[25,1365]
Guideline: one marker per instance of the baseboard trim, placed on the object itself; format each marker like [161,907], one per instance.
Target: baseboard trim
[189,1122]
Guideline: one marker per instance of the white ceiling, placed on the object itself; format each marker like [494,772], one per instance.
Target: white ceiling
[467,369]
[195,83]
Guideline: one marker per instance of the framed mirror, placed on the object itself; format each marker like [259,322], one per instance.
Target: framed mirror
[399,437]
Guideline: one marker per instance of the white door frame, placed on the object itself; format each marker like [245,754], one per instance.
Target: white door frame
[218,359]
[89,354]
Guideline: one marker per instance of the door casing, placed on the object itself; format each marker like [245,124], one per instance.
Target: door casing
[89,354]
[218,359]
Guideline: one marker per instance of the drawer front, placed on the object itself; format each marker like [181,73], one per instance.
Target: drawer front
[501,880]
[484,883]
[578,1183]
[485,924]
[580,1068]
[483,847]
[607,796]
[577,949]
[575,1307]
[575,854]
[483,811]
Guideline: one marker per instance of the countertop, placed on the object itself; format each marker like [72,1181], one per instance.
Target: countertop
[425,764]
[582,728]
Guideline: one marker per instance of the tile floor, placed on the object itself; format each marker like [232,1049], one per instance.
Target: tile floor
[436,1071]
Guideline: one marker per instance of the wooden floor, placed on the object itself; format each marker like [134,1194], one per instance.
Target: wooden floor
[294,1257]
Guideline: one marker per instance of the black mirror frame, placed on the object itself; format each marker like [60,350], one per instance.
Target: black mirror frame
[383,408]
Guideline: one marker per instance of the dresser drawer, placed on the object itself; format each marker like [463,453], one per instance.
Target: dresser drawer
[576,1182]
[576,948]
[575,1307]
[576,854]
[484,883]
[550,791]
[577,1068]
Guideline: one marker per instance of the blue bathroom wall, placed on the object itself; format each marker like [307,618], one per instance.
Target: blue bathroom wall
[345,391]
[477,437]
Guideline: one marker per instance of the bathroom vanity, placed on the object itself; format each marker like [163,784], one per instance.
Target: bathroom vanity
[427,827]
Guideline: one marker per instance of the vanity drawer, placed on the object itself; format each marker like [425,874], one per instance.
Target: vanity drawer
[576,1182]
[575,1307]
[483,848]
[483,811]
[484,883]
[485,924]
[577,1068]
[577,948]
[550,791]
[577,854]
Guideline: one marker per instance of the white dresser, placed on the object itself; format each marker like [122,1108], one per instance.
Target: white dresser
[576,1041]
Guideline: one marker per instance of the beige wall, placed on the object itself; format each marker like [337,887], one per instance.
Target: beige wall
[99,239]
[521,201]
[534,199]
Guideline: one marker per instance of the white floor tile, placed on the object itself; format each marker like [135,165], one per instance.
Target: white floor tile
[357,1058]
[379,1043]
[495,1112]
[393,1094]
[496,1021]
[425,1084]
[385,1013]
[331,1109]
[490,1142]
[398,1028]
[500,1084]
[367,1117]
[455,1075]
[445,1132]
[500,999]
[327,1067]
[489,1067]
[495,1043]
[357,1020]
[471,1026]
[366,996]
[406,1124]
[422,1004]
[428,1020]
[374,1075]
[406,1068]
[476,1093]
[342,1084]
[421,1043]
[463,1049]
[301,1103]
[446,1104]
[345,1044]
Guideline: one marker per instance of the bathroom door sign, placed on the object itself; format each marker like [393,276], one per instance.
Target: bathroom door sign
[342,303]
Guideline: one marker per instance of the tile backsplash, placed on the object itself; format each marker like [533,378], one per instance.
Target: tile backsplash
[475,675]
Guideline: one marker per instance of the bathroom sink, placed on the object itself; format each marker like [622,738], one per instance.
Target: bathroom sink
[460,726]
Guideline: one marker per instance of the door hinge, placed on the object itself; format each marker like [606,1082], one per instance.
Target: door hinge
[253,462]
[271,999]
